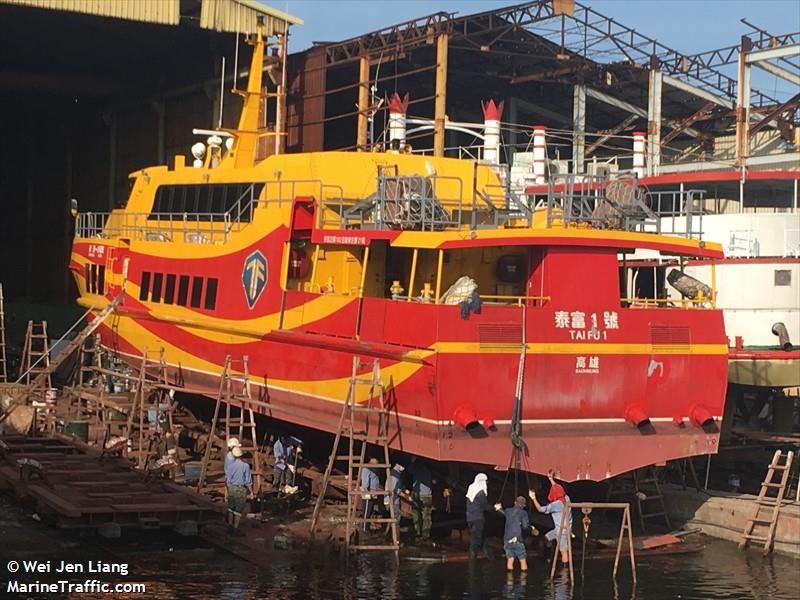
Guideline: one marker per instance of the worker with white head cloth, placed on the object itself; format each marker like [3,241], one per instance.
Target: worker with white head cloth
[477,505]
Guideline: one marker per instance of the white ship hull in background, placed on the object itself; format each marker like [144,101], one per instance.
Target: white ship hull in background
[758,285]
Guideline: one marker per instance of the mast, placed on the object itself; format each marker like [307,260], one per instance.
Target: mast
[244,148]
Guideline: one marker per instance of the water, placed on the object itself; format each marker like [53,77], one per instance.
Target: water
[173,567]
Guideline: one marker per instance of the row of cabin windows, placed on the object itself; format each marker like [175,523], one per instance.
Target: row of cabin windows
[182,290]
[204,201]
[95,278]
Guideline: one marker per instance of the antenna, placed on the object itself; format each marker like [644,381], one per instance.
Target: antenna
[236,49]
[221,93]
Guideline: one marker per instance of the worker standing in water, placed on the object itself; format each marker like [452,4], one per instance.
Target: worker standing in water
[557,502]
[516,524]
[477,505]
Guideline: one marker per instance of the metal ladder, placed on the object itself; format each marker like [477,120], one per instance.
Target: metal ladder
[3,363]
[632,483]
[644,501]
[239,421]
[358,433]
[765,502]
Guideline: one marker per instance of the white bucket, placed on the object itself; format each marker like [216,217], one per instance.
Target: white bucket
[50,395]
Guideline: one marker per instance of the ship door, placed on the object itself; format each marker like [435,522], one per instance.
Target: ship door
[302,223]
[116,269]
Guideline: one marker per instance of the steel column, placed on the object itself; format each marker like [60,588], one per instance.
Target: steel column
[654,121]
[441,95]
[743,107]
[578,128]
[363,103]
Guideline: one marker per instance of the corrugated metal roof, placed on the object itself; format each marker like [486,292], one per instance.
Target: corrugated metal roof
[240,16]
[220,15]
[165,12]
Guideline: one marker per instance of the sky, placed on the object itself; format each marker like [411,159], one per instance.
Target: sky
[688,26]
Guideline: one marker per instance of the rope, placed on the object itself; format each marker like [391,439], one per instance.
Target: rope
[519,448]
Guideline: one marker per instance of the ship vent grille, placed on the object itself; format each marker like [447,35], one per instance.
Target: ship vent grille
[500,335]
[670,337]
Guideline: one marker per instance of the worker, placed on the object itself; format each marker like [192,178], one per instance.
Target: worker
[516,523]
[422,496]
[229,458]
[557,501]
[395,489]
[239,487]
[477,505]
[370,484]
[282,450]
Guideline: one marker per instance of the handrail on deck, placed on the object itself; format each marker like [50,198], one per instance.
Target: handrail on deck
[669,302]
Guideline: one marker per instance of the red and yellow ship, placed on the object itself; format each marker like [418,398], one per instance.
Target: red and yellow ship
[301,262]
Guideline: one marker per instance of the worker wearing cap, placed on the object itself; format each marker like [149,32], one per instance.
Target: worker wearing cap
[239,486]
[516,523]
[557,501]
[229,458]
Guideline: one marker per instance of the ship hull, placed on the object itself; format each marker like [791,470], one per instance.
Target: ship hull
[578,445]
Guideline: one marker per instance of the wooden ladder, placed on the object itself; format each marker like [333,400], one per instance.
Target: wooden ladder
[355,424]
[42,379]
[238,421]
[3,363]
[766,502]
[36,354]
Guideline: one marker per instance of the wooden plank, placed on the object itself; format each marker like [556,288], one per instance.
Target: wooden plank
[54,501]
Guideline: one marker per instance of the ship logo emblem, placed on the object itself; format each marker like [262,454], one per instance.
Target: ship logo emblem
[254,277]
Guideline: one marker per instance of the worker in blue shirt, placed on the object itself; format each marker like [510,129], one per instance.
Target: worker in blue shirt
[282,450]
[395,488]
[239,482]
[557,501]
[229,458]
[516,524]
[370,483]
[422,496]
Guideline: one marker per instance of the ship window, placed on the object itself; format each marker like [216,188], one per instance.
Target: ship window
[211,293]
[783,277]
[158,280]
[183,289]
[197,291]
[144,287]
[101,279]
[204,201]
[169,289]
[93,279]
[87,276]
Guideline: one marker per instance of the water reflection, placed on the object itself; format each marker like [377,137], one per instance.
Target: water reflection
[720,571]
